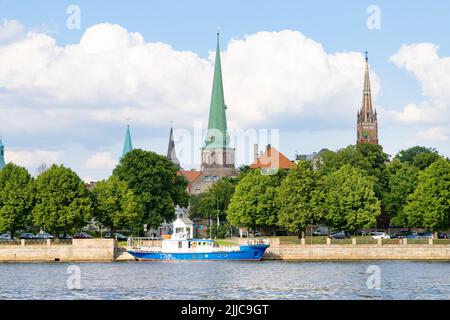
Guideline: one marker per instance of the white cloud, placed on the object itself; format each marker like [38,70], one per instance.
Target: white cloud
[435,134]
[101,160]
[10,30]
[433,74]
[114,74]
[33,158]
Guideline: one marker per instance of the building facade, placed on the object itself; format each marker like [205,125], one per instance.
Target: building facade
[367,121]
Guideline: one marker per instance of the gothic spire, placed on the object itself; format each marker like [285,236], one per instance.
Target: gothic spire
[171,154]
[127,146]
[2,154]
[366,109]
[367,122]
[217,124]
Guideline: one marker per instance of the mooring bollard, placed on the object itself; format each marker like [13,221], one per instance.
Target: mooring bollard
[48,242]
[430,241]
[302,241]
[328,241]
[380,242]
[22,242]
[354,241]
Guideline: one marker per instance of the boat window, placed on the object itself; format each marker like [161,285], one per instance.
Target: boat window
[180,244]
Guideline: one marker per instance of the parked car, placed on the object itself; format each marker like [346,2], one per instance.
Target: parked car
[362,232]
[43,235]
[65,237]
[5,236]
[321,231]
[380,235]
[375,232]
[27,235]
[116,235]
[443,235]
[82,235]
[339,235]
[412,235]
[425,235]
[280,233]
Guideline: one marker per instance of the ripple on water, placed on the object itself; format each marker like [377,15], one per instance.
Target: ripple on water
[227,280]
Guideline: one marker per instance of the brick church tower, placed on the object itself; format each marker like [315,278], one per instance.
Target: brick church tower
[367,123]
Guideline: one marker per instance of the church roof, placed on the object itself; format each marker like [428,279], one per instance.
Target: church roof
[272,159]
[2,155]
[171,154]
[190,175]
[366,109]
[216,136]
[127,146]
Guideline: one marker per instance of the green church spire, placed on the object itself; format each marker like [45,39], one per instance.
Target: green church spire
[127,146]
[2,154]
[216,136]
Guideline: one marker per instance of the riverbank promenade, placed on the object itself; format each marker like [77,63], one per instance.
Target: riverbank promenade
[358,249]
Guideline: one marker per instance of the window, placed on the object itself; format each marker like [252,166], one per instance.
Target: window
[207,178]
[178,230]
[197,191]
[215,178]
[188,230]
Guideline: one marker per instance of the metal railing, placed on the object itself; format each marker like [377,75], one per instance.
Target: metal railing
[138,242]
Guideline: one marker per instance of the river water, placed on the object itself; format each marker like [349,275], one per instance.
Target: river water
[226,280]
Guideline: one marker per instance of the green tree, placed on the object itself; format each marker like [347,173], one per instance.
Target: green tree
[295,199]
[215,199]
[369,158]
[347,200]
[424,160]
[154,180]
[16,198]
[116,206]
[429,205]
[402,181]
[408,155]
[62,201]
[253,203]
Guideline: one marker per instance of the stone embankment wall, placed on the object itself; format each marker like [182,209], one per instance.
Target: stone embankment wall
[46,251]
[107,250]
[350,252]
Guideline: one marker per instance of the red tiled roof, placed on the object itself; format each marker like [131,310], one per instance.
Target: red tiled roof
[190,175]
[272,158]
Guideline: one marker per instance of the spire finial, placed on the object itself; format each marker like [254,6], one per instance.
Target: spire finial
[367,55]
[218,31]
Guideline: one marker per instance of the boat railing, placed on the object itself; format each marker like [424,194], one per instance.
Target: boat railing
[140,242]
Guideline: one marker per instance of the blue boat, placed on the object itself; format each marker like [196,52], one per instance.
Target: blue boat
[180,247]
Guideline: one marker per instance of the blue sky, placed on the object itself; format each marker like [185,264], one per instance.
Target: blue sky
[189,26]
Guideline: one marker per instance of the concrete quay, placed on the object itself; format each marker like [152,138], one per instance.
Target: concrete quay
[101,250]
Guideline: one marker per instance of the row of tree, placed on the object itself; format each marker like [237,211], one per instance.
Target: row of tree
[143,189]
[353,188]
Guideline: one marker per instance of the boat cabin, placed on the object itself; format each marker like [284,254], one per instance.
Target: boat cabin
[181,242]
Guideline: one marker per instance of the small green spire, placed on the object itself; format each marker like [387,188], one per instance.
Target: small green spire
[2,154]
[216,136]
[127,146]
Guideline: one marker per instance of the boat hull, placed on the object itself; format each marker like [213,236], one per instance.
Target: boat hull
[250,252]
